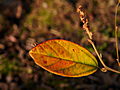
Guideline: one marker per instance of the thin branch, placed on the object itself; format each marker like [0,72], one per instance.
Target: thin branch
[106,67]
[85,27]
[116,34]
[90,41]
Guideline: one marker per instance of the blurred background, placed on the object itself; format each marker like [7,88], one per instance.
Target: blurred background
[24,22]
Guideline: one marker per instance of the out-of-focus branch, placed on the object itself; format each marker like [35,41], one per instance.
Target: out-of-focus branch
[116,34]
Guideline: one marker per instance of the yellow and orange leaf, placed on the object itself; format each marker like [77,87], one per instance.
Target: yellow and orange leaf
[64,58]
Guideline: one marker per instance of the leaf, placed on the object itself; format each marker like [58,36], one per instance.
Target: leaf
[64,58]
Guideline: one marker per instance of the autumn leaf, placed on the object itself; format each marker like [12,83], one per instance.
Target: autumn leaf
[64,58]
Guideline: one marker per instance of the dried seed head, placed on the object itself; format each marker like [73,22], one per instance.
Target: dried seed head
[84,21]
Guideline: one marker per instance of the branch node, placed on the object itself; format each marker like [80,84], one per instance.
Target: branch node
[103,69]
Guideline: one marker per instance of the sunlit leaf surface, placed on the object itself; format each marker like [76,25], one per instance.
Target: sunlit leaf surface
[64,58]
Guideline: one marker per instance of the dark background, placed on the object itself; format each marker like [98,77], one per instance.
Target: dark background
[24,22]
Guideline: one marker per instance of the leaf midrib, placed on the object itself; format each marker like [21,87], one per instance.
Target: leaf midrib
[66,60]
[81,50]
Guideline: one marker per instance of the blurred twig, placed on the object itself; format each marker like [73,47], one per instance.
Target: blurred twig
[116,33]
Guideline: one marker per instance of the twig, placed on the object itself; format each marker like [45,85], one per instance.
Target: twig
[116,33]
[85,27]
[90,41]
[105,67]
